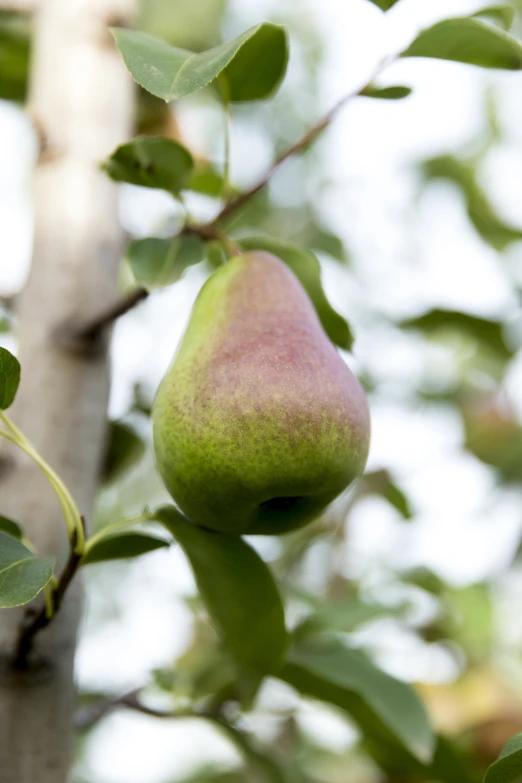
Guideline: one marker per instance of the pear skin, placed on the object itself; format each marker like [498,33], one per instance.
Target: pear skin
[258,424]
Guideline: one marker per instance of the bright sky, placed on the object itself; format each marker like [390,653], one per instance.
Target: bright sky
[465,529]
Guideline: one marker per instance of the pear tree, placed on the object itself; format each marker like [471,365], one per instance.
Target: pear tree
[258,426]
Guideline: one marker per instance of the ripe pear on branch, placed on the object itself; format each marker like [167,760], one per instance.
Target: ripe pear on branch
[258,424]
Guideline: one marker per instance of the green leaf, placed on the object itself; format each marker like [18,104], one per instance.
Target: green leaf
[6,319]
[157,263]
[215,254]
[485,332]
[394,93]
[468,40]
[425,579]
[491,228]
[306,267]
[379,482]
[206,179]
[22,574]
[124,448]
[502,15]
[141,399]
[470,620]
[384,5]
[259,66]
[238,590]
[208,774]
[270,770]
[343,616]
[252,64]
[326,242]
[183,22]
[450,764]
[311,234]
[329,671]
[152,162]
[11,528]
[121,546]
[9,377]
[14,56]
[508,767]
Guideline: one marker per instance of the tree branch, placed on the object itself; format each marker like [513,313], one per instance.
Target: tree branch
[83,337]
[119,308]
[255,759]
[297,147]
[88,716]
[36,622]
[74,335]
[7,301]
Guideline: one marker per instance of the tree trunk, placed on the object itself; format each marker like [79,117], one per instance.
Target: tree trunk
[82,104]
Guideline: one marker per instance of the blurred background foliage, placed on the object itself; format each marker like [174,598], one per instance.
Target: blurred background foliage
[364,570]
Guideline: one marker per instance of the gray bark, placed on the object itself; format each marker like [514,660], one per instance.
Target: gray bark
[82,102]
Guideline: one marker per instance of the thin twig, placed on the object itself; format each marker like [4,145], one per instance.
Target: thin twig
[36,622]
[90,715]
[239,201]
[91,330]
[8,301]
[297,147]
[209,231]
[116,310]
[79,336]
[254,758]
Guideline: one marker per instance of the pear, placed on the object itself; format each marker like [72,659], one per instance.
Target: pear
[258,424]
